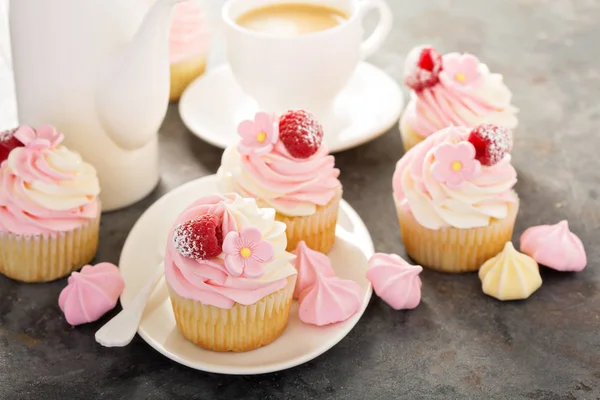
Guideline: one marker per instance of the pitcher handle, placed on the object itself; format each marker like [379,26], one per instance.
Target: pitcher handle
[371,44]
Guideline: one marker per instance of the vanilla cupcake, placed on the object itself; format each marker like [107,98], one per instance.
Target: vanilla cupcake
[49,207]
[455,199]
[229,276]
[454,89]
[188,46]
[282,163]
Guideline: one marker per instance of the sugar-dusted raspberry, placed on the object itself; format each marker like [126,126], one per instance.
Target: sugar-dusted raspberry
[301,133]
[201,238]
[8,142]
[491,142]
[422,67]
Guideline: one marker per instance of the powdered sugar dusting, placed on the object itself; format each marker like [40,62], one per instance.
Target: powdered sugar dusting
[7,135]
[492,143]
[201,238]
[187,242]
[301,133]
[422,67]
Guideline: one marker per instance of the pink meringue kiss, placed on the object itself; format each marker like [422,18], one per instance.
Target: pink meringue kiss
[330,300]
[554,246]
[395,281]
[309,263]
[324,298]
[91,293]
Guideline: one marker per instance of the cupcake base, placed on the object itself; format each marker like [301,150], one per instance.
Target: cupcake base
[241,328]
[317,230]
[44,258]
[410,138]
[183,73]
[452,249]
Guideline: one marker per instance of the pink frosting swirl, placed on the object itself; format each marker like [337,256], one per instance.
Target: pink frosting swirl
[290,185]
[485,99]
[44,187]
[188,36]
[435,205]
[208,281]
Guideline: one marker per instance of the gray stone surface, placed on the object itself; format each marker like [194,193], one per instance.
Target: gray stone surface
[458,344]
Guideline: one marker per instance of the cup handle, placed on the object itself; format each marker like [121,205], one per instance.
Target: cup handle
[371,44]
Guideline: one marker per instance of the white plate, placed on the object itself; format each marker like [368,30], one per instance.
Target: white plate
[300,343]
[214,104]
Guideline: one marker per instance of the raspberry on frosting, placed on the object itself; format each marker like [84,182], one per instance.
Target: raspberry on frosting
[8,142]
[422,68]
[199,239]
[491,142]
[301,133]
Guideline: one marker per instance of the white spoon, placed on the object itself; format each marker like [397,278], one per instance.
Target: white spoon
[120,330]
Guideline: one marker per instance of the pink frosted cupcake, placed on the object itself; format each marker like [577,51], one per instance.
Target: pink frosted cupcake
[282,163]
[188,46]
[49,207]
[230,279]
[455,199]
[454,89]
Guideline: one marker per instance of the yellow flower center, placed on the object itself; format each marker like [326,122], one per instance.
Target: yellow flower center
[456,166]
[460,77]
[245,252]
[261,137]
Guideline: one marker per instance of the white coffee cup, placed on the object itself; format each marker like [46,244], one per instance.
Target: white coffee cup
[305,71]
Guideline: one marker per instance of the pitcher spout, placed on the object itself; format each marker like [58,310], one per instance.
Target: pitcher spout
[133,91]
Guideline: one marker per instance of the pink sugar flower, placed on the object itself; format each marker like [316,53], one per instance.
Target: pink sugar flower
[455,164]
[246,253]
[260,135]
[461,71]
[45,136]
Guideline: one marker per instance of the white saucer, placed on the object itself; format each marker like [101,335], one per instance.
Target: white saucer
[214,104]
[300,343]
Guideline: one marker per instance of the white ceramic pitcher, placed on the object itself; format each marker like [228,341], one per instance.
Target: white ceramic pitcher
[98,70]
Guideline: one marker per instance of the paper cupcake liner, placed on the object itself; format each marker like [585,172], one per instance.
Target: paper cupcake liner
[410,138]
[241,328]
[452,249]
[317,230]
[44,258]
[183,73]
